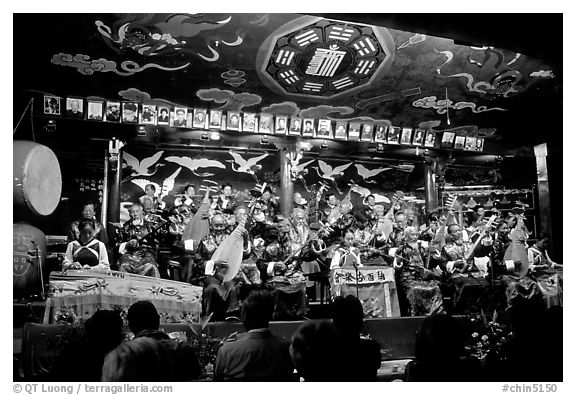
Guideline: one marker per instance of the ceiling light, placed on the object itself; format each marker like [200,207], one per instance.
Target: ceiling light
[50,126]
[205,136]
[214,136]
[141,131]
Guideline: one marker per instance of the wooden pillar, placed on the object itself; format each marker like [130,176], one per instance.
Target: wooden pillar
[286,184]
[430,189]
[114,182]
[541,153]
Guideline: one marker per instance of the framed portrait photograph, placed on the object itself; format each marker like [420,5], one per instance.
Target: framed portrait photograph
[308,129]
[199,120]
[459,142]
[112,113]
[180,117]
[393,135]
[380,133]
[367,133]
[340,131]
[266,124]
[51,105]
[249,122]
[479,144]
[233,121]
[281,124]
[470,144]
[447,139]
[324,128]
[418,138]
[215,119]
[148,114]
[295,127]
[74,107]
[129,112]
[430,139]
[354,131]
[163,116]
[95,110]
[406,137]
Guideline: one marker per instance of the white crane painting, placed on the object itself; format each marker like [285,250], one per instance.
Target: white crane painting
[249,166]
[194,164]
[142,168]
[327,172]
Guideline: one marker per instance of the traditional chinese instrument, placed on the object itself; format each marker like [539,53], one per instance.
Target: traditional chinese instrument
[516,251]
[199,226]
[487,228]
[231,249]
[386,227]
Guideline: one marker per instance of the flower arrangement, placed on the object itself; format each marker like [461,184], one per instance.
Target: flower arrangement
[486,336]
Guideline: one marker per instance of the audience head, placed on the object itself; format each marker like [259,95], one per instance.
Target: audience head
[315,352]
[440,337]
[348,315]
[143,315]
[140,359]
[105,329]
[257,309]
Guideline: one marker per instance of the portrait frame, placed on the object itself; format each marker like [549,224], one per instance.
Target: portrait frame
[160,120]
[278,126]
[470,144]
[406,137]
[266,124]
[367,133]
[394,133]
[127,107]
[430,139]
[447,140]
[324,129]
[380,132]
[459,142]
[340,130]
[215,119]
[295,126]
[148,114]
[80,113]
[418,137]
[232,124]
[179,123]
[249,122]
[354,131]
[95,110]
[52,105]
[109,114]
[311,132]
[199,118]
[479,144]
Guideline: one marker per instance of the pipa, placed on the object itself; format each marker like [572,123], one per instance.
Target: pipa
[516,251]
[231,249]
[199,226]
[386,226]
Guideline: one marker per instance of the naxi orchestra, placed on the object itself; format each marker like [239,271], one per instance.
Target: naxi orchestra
[211,237]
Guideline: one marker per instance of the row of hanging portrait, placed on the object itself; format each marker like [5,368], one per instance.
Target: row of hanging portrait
[201,118]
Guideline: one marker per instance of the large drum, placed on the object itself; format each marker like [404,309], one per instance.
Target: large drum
[29,242]
[37,180]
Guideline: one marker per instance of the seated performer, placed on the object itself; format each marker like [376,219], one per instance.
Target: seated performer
[218,298]
[366,240]
[86,252]
[188,198]
[419,284]
[150,191]
[88,212]
[347,255]
[280,267]
[137,248]
[225,202]
[538,255]
[149,213]
[269,206]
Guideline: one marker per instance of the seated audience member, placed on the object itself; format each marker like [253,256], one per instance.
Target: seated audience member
[140,359]
[82,360]
[365,355]
[144,321]
[86,252]
[439,352]
[316,352]
[88,212]
[257,355]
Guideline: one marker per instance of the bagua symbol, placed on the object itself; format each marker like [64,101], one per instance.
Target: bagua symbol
[22,254]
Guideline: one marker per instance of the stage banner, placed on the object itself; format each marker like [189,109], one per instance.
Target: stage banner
[76,294]
[373,285]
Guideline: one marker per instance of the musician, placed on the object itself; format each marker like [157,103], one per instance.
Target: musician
[345,221]
[283,271]
[330,212]
[138,245]
[419,284]
[299,230]
[300,202]
[88,212]
[149,211]
[150,191]
[218,298]
[366,240]
[346,254]
[189,198]
[86,252]
[249,273]
[538,255]
[428,231]
[396,238]
[225,202]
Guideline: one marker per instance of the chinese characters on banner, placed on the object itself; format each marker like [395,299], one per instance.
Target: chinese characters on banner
[365,275]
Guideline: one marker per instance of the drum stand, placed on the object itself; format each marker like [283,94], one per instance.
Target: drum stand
[37,253]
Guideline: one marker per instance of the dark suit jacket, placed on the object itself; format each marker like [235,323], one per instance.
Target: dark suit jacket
[256,356]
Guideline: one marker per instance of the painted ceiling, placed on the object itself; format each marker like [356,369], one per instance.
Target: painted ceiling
[270,63]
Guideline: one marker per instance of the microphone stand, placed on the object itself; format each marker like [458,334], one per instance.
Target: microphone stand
[37,253]
[356,269]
